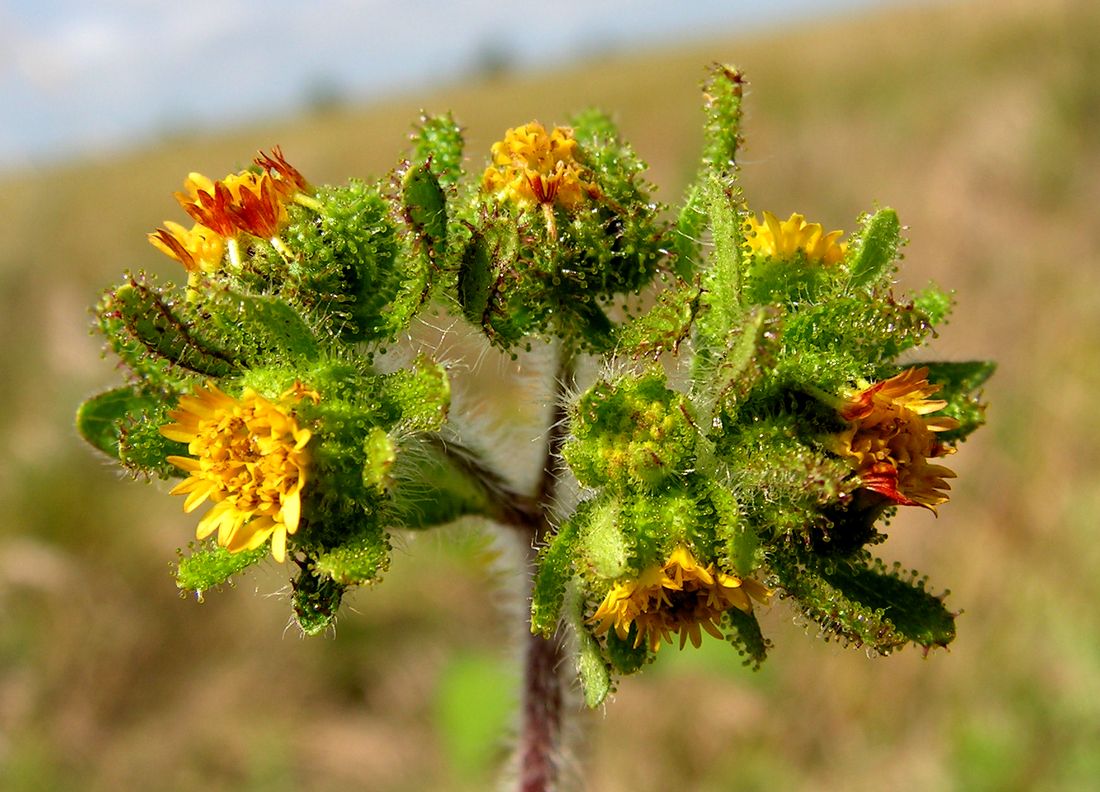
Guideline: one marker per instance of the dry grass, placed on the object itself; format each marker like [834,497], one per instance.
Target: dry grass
[978,122]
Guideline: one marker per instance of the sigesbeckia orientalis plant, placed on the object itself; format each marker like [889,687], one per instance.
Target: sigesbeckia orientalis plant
[738,407]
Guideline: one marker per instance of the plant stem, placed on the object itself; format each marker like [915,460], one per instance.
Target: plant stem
[532,517]
[540,734]
[541,726]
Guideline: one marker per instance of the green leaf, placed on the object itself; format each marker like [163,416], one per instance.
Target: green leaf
[99,418]
[863,604]
[691,223]
[154,322]
[141,446]
[361,558]
[934,303]
[124,423]
[742,550]
[723,91]
[353,270]
[780,481]
[616,167]
[722,306]
[614,245]
[475,278]
[874,250]
[603,548]
[791,283]
[316,599]
[425,207]
[664,326]
[915,613]
[592,668]
[380,453]
[734,368]
[437,145]
[960,383]
[143,366]
[555,569]
[437,482]
[260,328]
[834,342]
[746,636]
[211,566]
[625,657]
[596,332]
[594,672]
[423,393]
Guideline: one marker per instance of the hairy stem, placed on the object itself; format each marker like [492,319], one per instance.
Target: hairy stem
[541,725]
[532,517]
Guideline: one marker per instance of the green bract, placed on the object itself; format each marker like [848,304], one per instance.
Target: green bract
[635,433]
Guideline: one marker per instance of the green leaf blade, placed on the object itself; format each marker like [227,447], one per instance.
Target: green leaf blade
[874,250]
[211,566]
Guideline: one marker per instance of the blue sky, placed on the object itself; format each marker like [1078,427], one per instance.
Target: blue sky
[78,77]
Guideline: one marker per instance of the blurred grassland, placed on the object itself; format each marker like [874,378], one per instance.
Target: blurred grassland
[979,122]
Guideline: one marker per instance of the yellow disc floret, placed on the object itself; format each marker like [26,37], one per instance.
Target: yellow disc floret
[680,596]
[532,167]
[790,238]
[249,457]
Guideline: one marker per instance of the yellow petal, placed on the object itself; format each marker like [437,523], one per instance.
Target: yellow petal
[278,544]
[292,511]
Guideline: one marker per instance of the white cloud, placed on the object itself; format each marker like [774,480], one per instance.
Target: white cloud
[66,54]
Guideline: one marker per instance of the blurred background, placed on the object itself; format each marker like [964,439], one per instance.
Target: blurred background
[978,121]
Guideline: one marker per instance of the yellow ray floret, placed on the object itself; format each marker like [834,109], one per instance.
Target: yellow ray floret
[249,457]
[890,439]
[680,596]
[787,239]
[199,249]
[533,167]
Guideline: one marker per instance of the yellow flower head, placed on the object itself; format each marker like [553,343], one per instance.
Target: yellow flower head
[248,202]
[785,240]
[241,202]
[198,250]
[890,440]
[531,167]
[679,596]
[249,457]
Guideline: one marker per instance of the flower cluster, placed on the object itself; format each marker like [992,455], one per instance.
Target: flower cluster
[761,456]
[216,397]
[773,470]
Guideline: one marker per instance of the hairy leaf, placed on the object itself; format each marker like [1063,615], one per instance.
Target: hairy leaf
[873,252]
[210,566]
[960,386]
